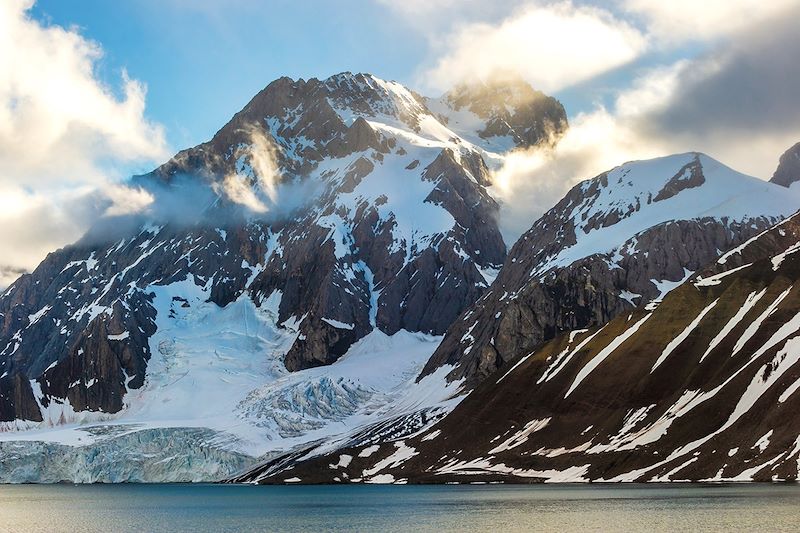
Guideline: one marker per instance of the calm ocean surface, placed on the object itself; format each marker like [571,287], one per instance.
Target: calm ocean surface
[212,508]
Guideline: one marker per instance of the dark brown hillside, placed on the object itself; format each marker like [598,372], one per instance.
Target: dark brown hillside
[703,386]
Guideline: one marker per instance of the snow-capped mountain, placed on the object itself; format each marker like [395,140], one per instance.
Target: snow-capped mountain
[702,386]
[613,243]
[317,277]
[334,222]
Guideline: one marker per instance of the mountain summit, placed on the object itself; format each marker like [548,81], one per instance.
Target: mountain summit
[502,114]
[336,214]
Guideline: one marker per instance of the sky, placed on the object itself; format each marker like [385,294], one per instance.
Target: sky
[93,91]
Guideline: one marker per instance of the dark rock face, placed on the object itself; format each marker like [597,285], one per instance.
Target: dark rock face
[589,292]
[421,288]
[788,170]
[702,386]
[394,234]
[78,326]
[689,176]
[17,399]
[511,107]
[544,288]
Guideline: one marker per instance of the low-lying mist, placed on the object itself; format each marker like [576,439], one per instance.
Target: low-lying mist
[256,191]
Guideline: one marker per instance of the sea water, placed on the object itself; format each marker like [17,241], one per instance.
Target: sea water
[213,508]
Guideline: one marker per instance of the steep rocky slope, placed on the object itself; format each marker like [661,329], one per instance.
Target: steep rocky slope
[702,386]
[612,244]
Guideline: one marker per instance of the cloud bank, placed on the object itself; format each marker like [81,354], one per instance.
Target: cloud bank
[552,46]
[64,136]
[719,77]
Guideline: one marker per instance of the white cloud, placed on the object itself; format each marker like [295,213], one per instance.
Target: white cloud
[692,20]
[639,125]
[552,46]
[63,134]
[531,182]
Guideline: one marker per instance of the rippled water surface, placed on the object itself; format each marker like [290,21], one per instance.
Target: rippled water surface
[207,508]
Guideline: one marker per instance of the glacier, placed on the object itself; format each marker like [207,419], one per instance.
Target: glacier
[217,399]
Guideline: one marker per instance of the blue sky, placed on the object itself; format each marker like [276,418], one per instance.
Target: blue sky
[202,61]
[201,65]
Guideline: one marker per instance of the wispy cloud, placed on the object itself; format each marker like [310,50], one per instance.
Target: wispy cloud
[63,134]
[254,185]
[552,46]
[677,21]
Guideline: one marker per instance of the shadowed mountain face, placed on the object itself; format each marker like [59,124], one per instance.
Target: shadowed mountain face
[788,170]
[701,386]
[614,243]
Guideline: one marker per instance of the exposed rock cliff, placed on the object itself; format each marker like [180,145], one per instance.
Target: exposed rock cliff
[788,170]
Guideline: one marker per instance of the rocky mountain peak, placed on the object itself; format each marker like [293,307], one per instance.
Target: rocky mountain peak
[492,96]
[788,170]
[360,94]
[305,121]
[636,196]
[399,236]
[366,95]
[505,108]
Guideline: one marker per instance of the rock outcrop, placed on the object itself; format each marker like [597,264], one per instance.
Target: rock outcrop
[788,170]
[502,114]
